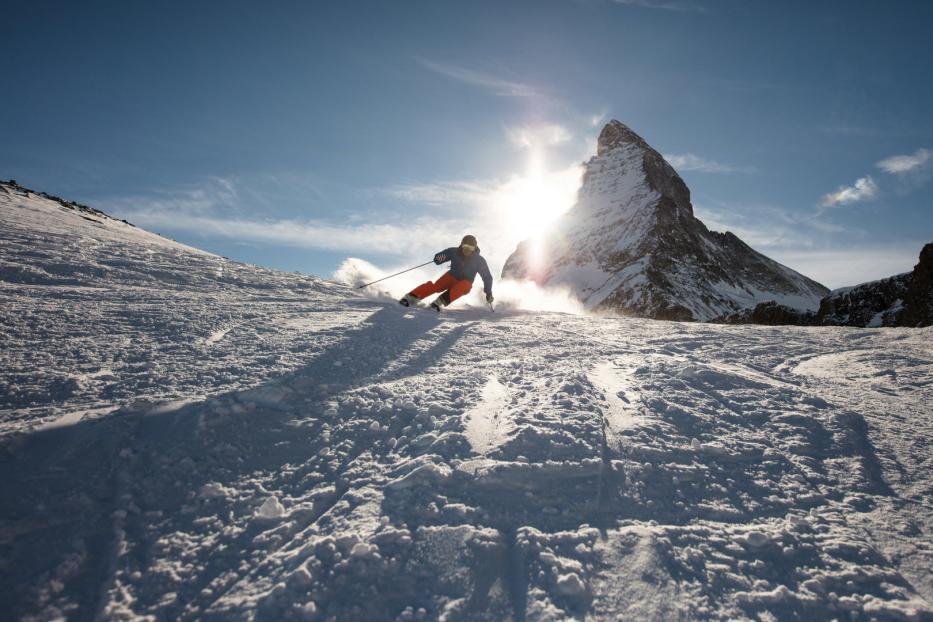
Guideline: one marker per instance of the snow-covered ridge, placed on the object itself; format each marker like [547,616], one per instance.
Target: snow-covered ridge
[631,244]
[62,216]
[70,274]
[186,437]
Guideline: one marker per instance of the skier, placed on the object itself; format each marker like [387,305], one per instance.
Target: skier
[465,262]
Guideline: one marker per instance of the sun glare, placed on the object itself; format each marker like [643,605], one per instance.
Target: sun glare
[527,204]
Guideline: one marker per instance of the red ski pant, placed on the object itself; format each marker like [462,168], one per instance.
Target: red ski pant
[448,281]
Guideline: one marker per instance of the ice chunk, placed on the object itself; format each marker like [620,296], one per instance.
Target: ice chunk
[570,585]
[271,509]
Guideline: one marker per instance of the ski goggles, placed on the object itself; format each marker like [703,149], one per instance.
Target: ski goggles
[468,248]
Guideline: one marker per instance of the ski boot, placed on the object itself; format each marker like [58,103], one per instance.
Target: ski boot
[409,301]
[441,301]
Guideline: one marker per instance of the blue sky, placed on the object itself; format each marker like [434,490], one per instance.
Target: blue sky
[296,134]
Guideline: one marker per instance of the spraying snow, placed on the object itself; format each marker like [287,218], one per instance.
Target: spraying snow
[510,294]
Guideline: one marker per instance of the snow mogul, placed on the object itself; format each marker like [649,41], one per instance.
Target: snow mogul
[465,263]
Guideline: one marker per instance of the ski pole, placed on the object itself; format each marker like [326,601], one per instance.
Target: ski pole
[396,274]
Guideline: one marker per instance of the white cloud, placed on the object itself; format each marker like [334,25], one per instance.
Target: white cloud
[691,162]
[863,189]
[224,208]
[901,164]
[388,238]
[496,85]
[538,136]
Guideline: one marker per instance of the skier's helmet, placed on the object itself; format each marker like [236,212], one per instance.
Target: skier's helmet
[469,240]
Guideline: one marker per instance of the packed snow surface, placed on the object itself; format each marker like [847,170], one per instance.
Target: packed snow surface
[186,437]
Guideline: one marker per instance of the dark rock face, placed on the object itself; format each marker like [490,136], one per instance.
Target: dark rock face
[900,300]
[918,301]
[632,245]
[877,303]
[770,314]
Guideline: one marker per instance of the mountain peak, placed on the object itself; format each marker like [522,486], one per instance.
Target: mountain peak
[632,244]
[616,133]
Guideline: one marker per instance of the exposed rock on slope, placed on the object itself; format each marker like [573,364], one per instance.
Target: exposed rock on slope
[878,303]
[918,301]
[900,300]
[631,244]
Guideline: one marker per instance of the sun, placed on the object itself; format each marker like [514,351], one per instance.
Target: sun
[527,204]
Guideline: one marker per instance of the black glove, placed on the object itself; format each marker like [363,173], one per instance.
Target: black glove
[440,258]
[489,297]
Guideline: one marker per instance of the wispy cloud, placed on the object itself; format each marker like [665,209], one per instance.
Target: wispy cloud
[596,119]
[214,192]
[226,208]
[851,266]
[764,227]
[854,130]
[666,5]
[691,162]
[309,234]
[538,136]
[902,164]
[863,189]
[441,193]
[494,84]
[830,253]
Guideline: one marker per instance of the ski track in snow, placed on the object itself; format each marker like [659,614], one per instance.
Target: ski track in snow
[338,458]
[622,412]
[484,426]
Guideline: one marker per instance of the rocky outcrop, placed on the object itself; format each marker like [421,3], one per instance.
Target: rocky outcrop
[632,245]
[11,187]
[918,301]
[770,314]
[900,300]
[878,303]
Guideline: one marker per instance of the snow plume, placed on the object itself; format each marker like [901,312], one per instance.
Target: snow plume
[510,294]
[356,272]
[530,296]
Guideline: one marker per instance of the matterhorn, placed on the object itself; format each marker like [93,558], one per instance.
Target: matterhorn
[631,245]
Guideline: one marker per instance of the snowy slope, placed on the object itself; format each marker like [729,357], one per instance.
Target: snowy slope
[186,437]
[632,244]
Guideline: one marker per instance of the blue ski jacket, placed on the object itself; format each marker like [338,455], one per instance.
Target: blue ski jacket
[465,268]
